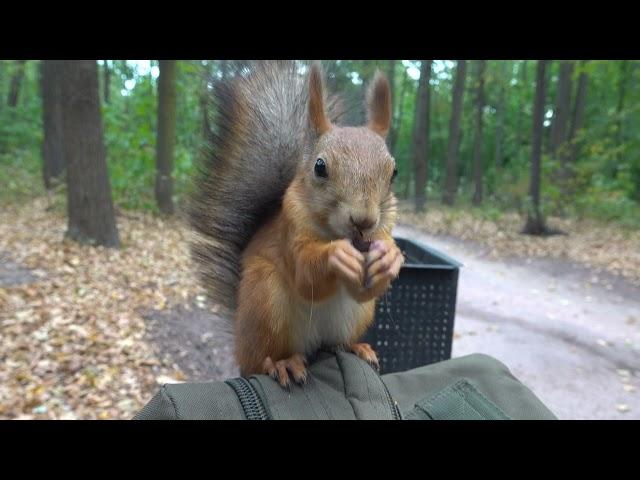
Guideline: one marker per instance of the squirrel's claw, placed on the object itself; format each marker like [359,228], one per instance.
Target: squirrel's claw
[366,353]
[280,370]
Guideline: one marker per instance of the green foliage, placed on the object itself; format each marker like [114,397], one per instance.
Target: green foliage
[129,122]
[606,175]
[606,184]
[20,136]
[129,130]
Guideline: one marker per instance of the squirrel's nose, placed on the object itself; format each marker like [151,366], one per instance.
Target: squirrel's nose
[362,223]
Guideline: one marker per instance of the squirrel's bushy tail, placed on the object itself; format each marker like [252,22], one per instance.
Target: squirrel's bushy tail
[249,160]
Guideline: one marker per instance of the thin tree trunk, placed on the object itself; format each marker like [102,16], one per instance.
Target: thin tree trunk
[52,145]
[520,136]
[535,222]
[403,92]
[562,108]
[477,143]
[632,83]
[166,135]
[106,77]
[576,125]
[91,212]
[500,116]
[622,94]
[420,140]
[559,130]
[2,70]
[451,179]
[16,83]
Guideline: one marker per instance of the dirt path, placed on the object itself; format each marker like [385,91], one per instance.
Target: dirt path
[193,340]
[571,334]
[13,274]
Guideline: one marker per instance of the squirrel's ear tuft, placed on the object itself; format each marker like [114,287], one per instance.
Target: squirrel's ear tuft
[318,120]
[379,105]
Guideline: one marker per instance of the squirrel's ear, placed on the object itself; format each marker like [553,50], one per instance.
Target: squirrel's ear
[379,105]
[317,116]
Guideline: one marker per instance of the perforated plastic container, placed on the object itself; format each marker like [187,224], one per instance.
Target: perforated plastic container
[414,321]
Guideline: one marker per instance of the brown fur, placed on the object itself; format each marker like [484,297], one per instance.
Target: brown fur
[299,282]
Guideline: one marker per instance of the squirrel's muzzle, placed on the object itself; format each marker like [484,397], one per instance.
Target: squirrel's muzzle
[360,243]
[363,227]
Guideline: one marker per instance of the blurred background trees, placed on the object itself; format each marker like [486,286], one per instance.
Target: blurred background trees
[542,138]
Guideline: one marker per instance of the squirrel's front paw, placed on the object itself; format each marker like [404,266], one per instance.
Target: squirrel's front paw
[383,265]
[347,264]
[280,369]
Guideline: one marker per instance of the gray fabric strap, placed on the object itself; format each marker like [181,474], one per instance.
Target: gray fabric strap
[473,386]
[460,401]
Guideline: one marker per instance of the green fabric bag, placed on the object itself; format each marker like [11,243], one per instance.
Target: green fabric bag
[341,386]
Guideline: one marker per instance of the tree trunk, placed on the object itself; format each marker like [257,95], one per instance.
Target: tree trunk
[520,136]
[52,145]
[91,213]
[535,222]
[166,135]
[2,69]
[16,82]
[420,140]
[477,143]
[106,77]
[622,93]
[576,124]
[501,116]
[451,179]
[562,108]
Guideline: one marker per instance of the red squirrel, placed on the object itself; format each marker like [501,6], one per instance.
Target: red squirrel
[293,216]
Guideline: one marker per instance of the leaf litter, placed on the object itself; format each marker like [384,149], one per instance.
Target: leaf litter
[72,342]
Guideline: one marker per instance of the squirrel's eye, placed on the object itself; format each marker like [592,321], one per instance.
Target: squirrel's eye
[321,168]
[395,174]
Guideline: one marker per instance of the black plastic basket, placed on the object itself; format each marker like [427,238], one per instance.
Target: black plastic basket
[414,320]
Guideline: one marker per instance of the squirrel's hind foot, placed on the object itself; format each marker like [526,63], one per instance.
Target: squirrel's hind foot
[280,369]
[366,353]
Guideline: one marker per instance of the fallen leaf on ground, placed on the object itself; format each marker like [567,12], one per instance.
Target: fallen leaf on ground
[622,407]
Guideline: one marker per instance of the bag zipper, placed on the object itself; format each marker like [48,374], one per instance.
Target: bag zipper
[254,408]
[249,399]
[395,410]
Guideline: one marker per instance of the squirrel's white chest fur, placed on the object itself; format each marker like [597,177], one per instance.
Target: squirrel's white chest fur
[330,323]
